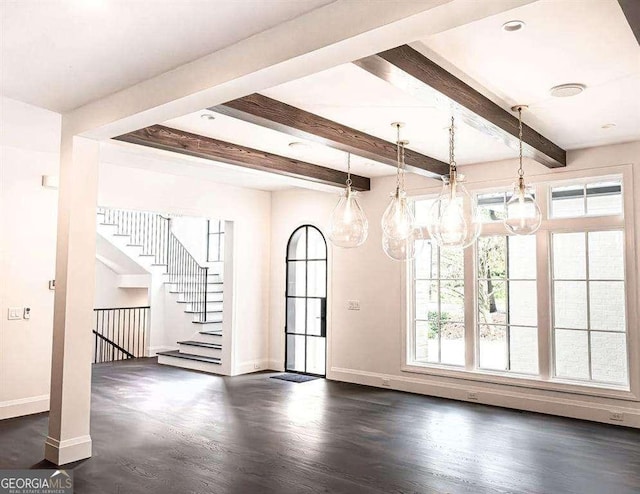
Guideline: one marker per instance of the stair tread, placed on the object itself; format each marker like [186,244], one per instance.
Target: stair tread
[206,322]
[190,356]
[203,344]
[200,312]
[215,332]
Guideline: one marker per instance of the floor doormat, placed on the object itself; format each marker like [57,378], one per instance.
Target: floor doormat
[295,378]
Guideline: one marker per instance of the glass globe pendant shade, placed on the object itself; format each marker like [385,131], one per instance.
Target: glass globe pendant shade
[523,214]
[397,220]
[348,225]
[405,249]
[453,219]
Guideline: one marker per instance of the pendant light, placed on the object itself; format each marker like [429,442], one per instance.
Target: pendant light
[397,220]
[523,214]
[400,237]
[348,226]
[453,217]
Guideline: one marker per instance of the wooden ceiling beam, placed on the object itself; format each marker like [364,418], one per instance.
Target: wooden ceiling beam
[407,69]
[179,141]
[631,10]
[276,115]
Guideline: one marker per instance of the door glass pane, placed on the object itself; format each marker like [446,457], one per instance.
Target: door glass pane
[317,245]
[606,260]
[569,258]
[317,272]
[492,302]
[315,355]
[493,347]
[295,353]
[491,257]
[524,349]
[604,198]
[296,278]
[427,262]
[295,315]
[452,301]
[298,245]
[567,202]
[427,341]
[609,357]
[606,305]
[570,304]
[572,354]
[451,264]
[523,303]
[522,257]
[314,316]
[452,343]
[426,300]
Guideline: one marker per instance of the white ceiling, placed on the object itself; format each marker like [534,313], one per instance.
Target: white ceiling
[62,54]
[254,136]
[133,156]
[351,96]
[564,41]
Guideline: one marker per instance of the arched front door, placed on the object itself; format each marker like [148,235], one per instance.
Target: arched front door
[306,298]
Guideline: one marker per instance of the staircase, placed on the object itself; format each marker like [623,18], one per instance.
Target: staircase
[199,290]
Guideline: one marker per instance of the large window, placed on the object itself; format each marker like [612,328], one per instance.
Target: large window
[439,299]
[550,307]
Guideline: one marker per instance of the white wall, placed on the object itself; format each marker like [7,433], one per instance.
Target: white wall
[29,148]
[366,345]
[109,295]
[249,210]
[192,233]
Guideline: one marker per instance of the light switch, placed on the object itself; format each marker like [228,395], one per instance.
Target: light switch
[353,304]
[15,313]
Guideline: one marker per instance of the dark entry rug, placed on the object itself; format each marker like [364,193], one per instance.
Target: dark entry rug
[295,378]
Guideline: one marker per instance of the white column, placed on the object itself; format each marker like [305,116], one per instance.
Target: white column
[69,415]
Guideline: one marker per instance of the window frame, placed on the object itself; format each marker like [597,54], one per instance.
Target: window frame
[546,357]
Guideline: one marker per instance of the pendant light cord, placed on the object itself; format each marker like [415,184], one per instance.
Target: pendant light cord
[349,182]
[452,156]
[397,156]
[520,170]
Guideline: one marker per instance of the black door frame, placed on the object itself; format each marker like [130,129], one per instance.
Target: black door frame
[323,300]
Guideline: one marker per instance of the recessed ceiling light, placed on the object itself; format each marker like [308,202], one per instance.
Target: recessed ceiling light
[512,26]
[608,126]
[299,146]
[566,90]
[207,116]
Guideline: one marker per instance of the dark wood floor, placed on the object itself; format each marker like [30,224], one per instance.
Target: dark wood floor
[160,430]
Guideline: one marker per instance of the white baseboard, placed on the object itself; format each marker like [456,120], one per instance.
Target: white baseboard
[250,366]
[276,365]
[24,406]
[519,400]
[68,450]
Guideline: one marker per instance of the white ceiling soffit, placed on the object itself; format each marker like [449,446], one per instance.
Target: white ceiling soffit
[351,96]
[563,41]
[160,161]
[254,136]
[61,55]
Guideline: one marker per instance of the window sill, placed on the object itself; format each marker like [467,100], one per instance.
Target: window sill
[523,381]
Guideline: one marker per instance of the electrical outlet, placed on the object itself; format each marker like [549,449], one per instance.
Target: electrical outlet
[386,382]
[617,416]
[472,396]
[14,313]
[27,313]
[353,305]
